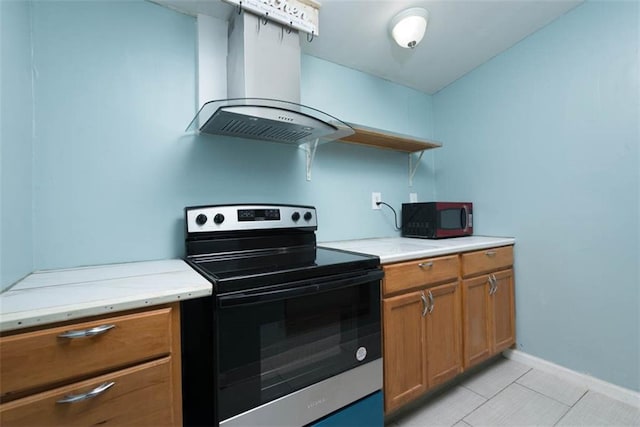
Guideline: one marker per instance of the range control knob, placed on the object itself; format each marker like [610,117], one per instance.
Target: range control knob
[295,216]
[201,219]
[307,216]
[218,219]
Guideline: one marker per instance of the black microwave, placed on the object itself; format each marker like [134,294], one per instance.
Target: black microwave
[437,220]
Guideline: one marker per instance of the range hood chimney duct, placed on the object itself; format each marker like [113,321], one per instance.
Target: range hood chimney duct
[263,60]
[263,84]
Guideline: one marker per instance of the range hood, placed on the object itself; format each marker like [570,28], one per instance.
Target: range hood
[263,86]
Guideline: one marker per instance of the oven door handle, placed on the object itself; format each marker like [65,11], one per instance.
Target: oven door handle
[258,297]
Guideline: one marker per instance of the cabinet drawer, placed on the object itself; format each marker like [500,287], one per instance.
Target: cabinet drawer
[140,395]
[487,260]
[35,359]
[416,273]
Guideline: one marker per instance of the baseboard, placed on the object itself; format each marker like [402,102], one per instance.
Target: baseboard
[620,393]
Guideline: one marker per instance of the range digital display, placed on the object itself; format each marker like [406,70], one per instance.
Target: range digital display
[258,214]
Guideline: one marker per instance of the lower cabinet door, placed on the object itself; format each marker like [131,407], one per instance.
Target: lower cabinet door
[476,320]
[140,395]
[405,375]
[504,333]
[444,333]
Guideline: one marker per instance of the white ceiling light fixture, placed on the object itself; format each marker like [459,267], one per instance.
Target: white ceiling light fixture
[408,27]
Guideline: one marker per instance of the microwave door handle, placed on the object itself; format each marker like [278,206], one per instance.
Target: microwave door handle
[263,296]
[463,218]
[464,214]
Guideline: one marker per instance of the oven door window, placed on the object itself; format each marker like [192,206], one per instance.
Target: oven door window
[271,349]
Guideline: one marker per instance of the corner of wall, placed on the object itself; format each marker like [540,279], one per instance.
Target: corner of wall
[16,142]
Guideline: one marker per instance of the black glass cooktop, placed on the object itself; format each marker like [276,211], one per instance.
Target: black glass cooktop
[254,269]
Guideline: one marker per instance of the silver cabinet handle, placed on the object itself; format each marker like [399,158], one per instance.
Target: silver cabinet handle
[431,305]
[490,253]
[425,304]
[425,265]
[494,284]
[73,398]
[87,332]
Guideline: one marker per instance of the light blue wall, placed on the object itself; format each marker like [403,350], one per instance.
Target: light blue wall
[114,90]
[344,175]
[544,139]
[16,148]
[113,168]
[356,97]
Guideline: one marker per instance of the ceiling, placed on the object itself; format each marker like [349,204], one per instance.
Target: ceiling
[461,34]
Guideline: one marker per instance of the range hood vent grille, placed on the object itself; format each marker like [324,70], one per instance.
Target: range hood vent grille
[256,129]
[268,119]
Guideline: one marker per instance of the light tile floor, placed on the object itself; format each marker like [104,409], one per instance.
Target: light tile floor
[508,393]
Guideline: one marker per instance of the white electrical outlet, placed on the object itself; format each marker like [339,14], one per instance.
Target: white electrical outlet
[413,197]
[375,198]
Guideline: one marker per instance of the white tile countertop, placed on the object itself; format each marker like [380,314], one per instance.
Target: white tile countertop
[394,249]
[51,296]
[56,295]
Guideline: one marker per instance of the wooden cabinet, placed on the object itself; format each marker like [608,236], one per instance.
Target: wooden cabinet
[404,332]
[503,327]
[118,369]
[476,320]
[415,274]
[421,328]
[444,350]
[487,303]
[485,261]
[441,315]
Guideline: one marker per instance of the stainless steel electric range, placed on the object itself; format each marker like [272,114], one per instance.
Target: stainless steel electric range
[292,331]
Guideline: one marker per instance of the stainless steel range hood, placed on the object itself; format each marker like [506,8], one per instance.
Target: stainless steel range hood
[263,85]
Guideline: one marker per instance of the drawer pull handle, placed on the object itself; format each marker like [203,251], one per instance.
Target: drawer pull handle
[425,265]
[87,332]
[73,398]
[490,253]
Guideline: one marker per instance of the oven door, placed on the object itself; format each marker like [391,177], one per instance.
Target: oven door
[274,342]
